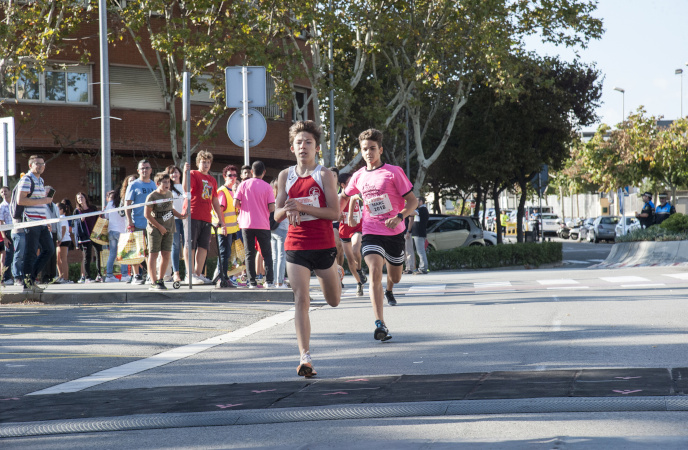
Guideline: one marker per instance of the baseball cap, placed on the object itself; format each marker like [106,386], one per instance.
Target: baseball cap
[648,194]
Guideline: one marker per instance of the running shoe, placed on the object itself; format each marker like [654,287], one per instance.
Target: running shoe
[205,279]
[359,290]
[9,282]
[88,280]
[82,280]
[161,283]
[154,287]
[31,284]
[362,276]
[111,279]
[305,368]
[233,282]
[138,279]
[381,332]
[420,272]
[18,282]
[407,272]
[391,301]
[99,279]
[340,271]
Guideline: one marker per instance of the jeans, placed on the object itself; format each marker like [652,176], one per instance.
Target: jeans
[113,238]
[18,238]
[225,243]
[37,237]
[279,256]
[177,243]
[419,243]
[87,249]
[9,258]
[250,235]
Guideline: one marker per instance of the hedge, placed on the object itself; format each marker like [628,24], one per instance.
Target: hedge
[531,254]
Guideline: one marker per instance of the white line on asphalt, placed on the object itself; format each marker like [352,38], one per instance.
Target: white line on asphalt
[557,281]
[428,289]
[166,357]
[573,288]
[491,284]
[626,279]
[643,285]
[556,325]
[680,276]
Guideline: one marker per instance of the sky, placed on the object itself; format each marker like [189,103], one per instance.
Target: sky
[644,42]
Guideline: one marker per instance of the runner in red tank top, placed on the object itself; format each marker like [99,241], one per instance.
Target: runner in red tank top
[307,198]
[351,236]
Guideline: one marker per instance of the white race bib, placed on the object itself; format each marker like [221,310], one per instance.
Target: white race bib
[310,201]
[379,205]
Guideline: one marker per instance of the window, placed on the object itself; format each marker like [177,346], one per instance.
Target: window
[300,109]
[135,88]
[94,187]
[54,85]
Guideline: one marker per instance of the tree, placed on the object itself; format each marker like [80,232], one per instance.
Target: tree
[668,161]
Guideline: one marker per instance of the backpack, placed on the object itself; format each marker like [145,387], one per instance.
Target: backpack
[17,210]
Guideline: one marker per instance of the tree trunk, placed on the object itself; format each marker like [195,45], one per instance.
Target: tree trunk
[521,207]
[498,222]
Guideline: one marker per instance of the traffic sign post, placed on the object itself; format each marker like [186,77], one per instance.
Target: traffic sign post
[7,161]
[252,82]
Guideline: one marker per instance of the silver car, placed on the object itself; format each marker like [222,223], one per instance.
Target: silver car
[446,232]
[603,229]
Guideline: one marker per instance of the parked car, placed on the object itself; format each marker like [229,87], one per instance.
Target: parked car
[603,229]
[549,223]
[490,237]
[631,224]
[446,232]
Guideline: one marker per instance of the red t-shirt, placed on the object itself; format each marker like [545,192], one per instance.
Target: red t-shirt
[203,189]
[345,231]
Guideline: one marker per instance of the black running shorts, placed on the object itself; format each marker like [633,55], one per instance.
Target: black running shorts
[313,259]
[391,248]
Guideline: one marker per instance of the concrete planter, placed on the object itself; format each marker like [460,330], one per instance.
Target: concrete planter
[646,253]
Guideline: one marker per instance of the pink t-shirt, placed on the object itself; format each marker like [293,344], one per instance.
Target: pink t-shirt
[255,195]
[383,191]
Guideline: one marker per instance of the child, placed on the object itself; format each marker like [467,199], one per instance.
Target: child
[160,230]
[307,198]
[388,198]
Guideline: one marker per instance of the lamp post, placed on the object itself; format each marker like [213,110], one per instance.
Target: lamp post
[623,103]
[680,72]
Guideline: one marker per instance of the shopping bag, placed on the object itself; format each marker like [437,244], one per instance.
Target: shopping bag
[131,248]
[104,256]
[238,255]
[99,235]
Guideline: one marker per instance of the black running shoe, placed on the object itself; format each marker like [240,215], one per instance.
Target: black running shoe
[359,290]
[391,301]
[362,276]
[381,332]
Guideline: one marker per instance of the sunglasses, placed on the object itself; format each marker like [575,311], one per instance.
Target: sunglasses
[232,175]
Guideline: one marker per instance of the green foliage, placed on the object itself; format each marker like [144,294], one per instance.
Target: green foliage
[659,232]
[677,223]
[528,254]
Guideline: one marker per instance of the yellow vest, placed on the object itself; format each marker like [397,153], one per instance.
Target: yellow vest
[230,213]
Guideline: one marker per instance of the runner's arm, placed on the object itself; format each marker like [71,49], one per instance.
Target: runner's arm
[409,207]
[280,200]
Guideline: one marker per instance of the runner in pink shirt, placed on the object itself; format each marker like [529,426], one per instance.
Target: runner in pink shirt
[388,199]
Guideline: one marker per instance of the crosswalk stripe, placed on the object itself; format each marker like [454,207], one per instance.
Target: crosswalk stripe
[491,284]
[680,276]
[427,289]
[557,281]
[643,285]
[626,279]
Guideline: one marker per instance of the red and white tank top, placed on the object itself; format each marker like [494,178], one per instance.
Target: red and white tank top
[345,231]
[312,233]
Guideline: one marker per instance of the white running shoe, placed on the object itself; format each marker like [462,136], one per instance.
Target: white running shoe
[197,279]
[111,279]
[125,279]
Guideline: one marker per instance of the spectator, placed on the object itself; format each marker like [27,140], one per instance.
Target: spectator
[18,236]
[178,205]
[226,199]
[6,219]
[408,247]
[278,234]
[646,216]
[117,224]
[35,208]
[256,201]
[85,226]
[49,274]
[246,172]
[160,217]
[137,192]
[419,233]
[203,188]
[65,244]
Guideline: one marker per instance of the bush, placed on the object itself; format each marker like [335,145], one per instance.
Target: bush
[676,223]
[656,233]
[531,254]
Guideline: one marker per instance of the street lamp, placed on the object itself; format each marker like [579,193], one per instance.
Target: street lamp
[680,72]
[623,103]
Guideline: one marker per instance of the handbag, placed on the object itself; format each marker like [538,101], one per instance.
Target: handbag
[82,235]
[104,256]
[99,235]
[131,248]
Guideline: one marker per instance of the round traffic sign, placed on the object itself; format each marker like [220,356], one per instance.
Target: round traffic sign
[257,127]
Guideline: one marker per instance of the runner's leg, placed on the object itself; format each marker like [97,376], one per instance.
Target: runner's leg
[300,278]
[375,263]
[351,259]
[331,284]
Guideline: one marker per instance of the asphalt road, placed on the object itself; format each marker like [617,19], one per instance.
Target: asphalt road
[563,318]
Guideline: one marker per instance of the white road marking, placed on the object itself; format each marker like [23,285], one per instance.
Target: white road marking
[680,276]
[573,261]
[491,284]
[557,281]
[572,288]
[167,357]
[643,285]
[626,279]
[556,325]
[427,289]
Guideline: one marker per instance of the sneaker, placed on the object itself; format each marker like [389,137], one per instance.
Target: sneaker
[340,271]
[138,279]
[305,368]
[82,280]
[391,301]
[205,279]
[99,279]
[31,284]
[161,283]
[362,276]
[88,280]
[63,281]
[233,282]
[8,283]
[196,280]
[155,287]
[420,272]
[381,332]
[359,290]
[26,289]
[125,279]
[111,279]
[18,282]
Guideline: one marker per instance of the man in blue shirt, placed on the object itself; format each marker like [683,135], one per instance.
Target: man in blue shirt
[137,192]
[664,209]
[646,216]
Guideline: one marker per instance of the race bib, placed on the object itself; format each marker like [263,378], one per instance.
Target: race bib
[357,216]
[310,201]
[379,205]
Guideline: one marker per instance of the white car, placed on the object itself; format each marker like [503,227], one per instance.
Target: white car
[631,224]
[550,224]
[490,237]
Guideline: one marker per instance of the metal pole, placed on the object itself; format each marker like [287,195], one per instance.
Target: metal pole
[408,148]
[244,82]
[186,117]
[539,230]
[105,155]
[6,155]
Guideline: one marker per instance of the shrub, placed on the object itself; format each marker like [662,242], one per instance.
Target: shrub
[531,254]
[654,233]
[676,223]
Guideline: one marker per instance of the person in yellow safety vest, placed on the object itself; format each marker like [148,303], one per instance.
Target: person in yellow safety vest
[226,197]
[503,219]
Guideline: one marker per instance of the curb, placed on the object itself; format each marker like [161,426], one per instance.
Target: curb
[343,412]
[645,253]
